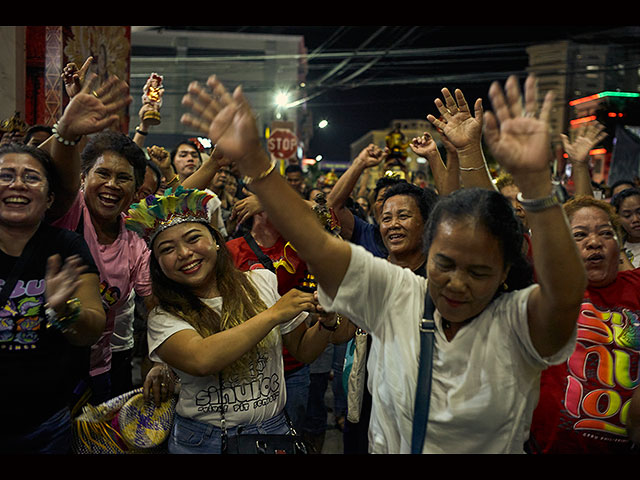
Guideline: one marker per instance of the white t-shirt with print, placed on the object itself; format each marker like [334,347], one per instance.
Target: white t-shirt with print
[485,382]
[246,401]
[634,248]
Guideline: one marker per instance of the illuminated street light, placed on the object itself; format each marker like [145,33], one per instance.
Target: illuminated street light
[323,123]
[282,99]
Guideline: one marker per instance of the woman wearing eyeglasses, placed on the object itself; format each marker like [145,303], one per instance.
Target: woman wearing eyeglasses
[52,308]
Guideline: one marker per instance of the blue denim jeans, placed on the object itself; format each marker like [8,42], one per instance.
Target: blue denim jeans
[192,436]
[52,437]
[297,395]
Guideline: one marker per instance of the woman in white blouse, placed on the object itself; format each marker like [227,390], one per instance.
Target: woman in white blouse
[490,348]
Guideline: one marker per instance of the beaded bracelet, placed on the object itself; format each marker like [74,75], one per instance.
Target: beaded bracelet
[73,307]
[57,136]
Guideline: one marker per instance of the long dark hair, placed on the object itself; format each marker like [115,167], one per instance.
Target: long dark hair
[493,211]
[240,301]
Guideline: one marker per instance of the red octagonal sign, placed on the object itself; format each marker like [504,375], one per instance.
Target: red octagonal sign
[282,143]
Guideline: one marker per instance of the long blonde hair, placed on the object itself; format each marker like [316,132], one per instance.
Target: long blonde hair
[240,301]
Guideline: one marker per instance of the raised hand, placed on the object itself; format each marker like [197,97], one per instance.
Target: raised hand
[424,145]
[160,156]
[585,138]
[228,121]
[91,111]
[446,177]
[372,155]
[517,135]
[456,122]
[73,78]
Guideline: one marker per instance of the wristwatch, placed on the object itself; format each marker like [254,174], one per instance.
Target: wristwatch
[539,204]
[334,327]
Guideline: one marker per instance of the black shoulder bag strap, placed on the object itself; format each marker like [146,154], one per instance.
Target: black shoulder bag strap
[264,259]
[423,390]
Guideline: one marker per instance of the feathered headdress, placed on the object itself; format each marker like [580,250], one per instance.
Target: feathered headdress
[156,213]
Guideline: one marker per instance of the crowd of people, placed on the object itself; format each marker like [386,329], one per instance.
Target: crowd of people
[257,288]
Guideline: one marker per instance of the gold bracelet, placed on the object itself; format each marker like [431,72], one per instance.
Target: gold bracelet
[248,180]
[174,179]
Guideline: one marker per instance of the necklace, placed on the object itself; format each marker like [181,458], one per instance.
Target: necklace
[446,324]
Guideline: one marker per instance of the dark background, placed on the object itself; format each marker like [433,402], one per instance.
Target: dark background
[362,77]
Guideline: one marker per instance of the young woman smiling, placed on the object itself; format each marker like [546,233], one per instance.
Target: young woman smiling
[487,370]
[220,329]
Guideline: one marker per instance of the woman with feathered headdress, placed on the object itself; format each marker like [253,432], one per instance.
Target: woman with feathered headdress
[220,329]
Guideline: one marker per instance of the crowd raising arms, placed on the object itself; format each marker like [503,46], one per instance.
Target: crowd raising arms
[469,267]
[517,137]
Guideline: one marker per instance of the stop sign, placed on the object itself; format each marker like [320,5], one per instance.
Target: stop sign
[282,143]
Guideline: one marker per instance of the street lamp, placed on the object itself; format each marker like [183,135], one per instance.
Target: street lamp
[282,99]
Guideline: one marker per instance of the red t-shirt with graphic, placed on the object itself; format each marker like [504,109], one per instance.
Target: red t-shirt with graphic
[584,402]
[279,253]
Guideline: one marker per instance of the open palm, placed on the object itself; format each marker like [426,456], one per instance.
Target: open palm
[456,122]
[227,119]
[518,138]
[91,111]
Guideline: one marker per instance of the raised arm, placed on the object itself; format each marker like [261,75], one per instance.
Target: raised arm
[464,131]
[446,177]
[142,130]
[90,111]
[520,140]
[577,149]
[229,122]
[203,176]
[369,157]
[161,157]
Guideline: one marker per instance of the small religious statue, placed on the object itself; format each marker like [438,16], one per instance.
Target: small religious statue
[396,143]
[152,96]
[395,164]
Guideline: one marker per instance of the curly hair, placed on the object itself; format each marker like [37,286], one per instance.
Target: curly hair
[119,143]
[584,201]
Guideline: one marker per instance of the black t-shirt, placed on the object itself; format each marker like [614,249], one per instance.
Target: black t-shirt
[38,366]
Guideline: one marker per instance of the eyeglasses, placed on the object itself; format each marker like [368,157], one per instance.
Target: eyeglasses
[31,179]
